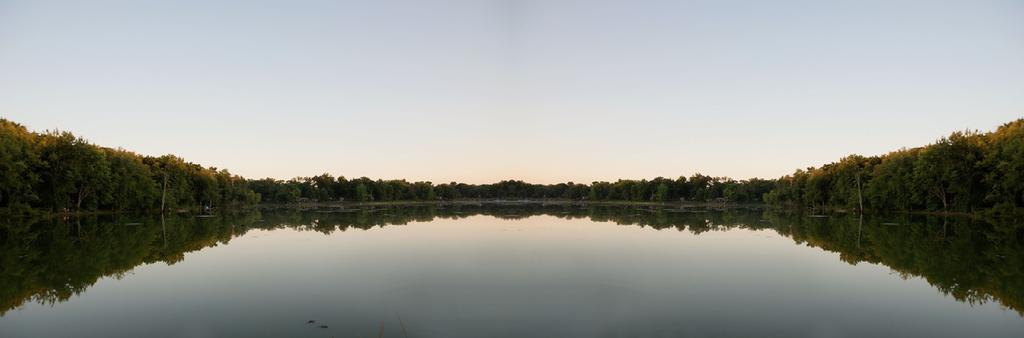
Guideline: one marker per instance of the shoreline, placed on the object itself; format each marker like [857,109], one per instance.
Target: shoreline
[494,202]
[340,204]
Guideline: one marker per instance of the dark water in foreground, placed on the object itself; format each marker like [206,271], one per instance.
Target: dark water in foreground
[511,271]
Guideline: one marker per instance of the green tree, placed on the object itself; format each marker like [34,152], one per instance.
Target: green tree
[18,161]
[131,186]
[892,185]
[362,193]
[1006,163]
[324,187]
[949,171]
[661,194]
[74,172]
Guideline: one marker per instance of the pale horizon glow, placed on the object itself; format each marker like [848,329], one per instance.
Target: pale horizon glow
[479,91]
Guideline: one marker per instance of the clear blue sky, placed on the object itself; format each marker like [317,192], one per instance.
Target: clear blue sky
[543,91]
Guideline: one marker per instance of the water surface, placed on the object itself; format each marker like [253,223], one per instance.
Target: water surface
[511,271]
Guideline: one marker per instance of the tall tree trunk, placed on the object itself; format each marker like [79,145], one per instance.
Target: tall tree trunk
[83,192]
[163,195]
[945,205]
[941,194]
[860,195]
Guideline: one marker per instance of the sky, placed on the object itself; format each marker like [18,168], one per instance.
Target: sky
[483,90]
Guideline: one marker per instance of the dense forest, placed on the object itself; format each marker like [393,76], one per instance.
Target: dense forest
[57,171]
[964,172]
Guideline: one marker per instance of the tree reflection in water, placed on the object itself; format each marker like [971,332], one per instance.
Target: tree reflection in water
[50,260]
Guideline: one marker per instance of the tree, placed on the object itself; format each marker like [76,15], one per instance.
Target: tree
[948,170]
[698,185]
[891,185]
[1005,160]
[18,161]
[661,194]
[74,171]
[362,193]
[323,185]
[131,186]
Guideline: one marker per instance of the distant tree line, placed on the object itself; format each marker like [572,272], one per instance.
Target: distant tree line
[326,187]
[57,171]
[964,172]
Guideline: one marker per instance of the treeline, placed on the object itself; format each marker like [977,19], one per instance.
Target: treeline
[57,172]
[60,172]
[326,187]
[964,172]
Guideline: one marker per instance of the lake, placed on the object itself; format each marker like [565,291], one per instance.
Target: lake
[517,270]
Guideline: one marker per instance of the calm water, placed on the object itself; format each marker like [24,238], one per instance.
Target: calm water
[511,271]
